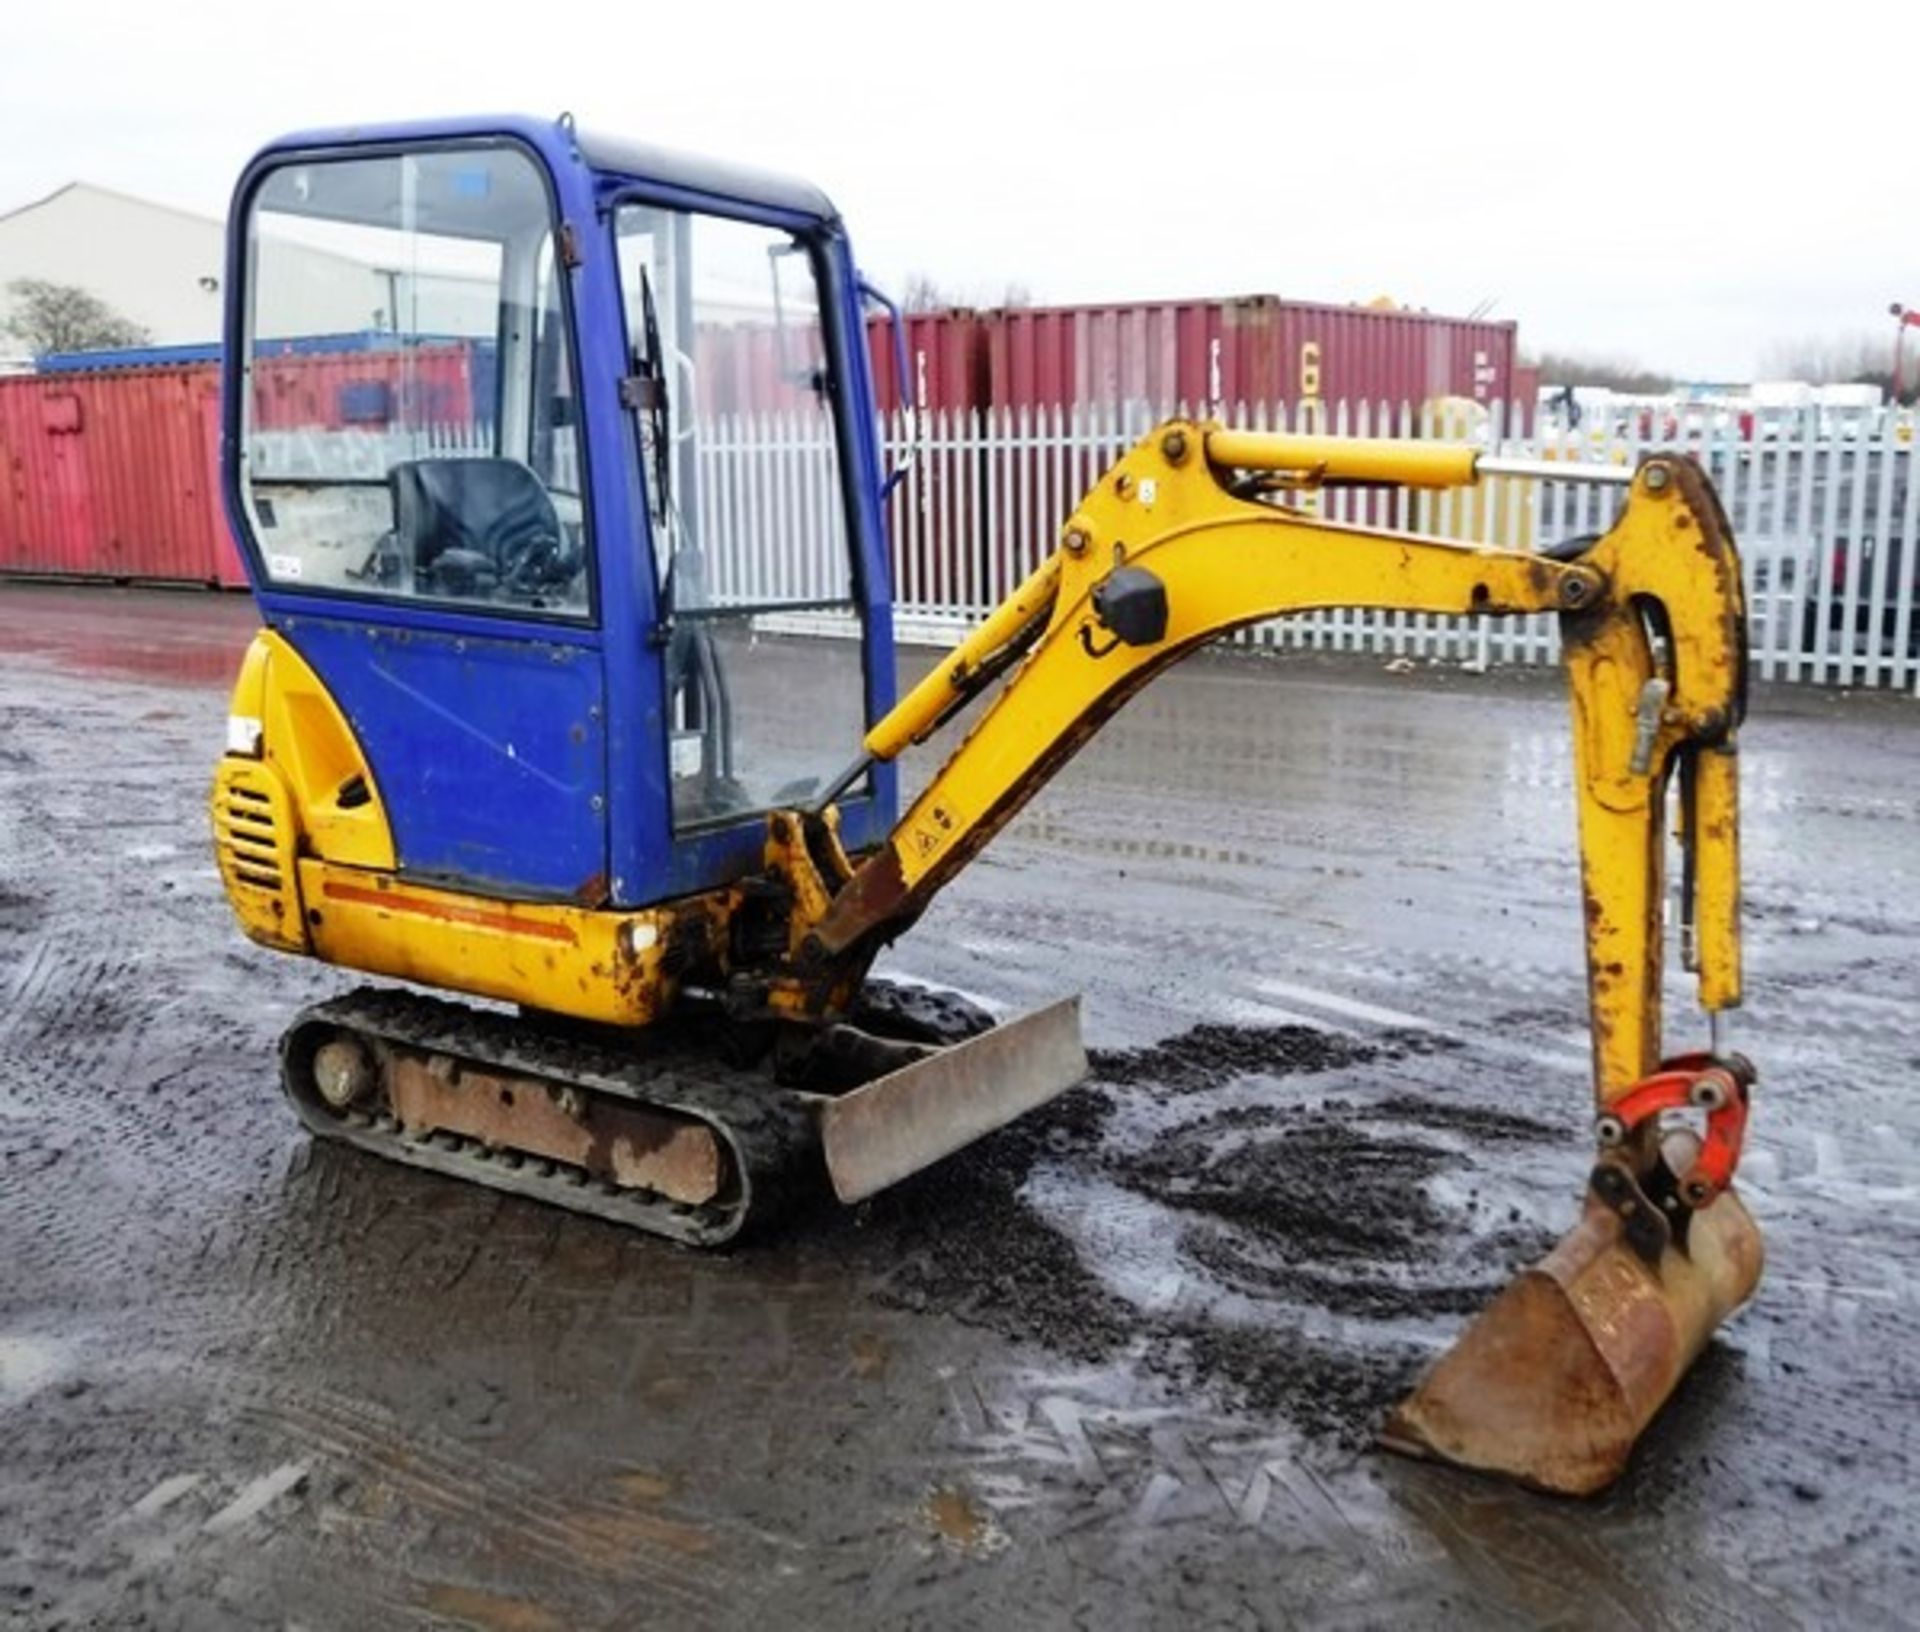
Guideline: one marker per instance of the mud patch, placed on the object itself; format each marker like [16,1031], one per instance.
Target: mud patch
[963,1242]
[1295,1211]
[19,911]
[1208,1054]
[1314,1180]
[1320,1208]
[961,1523]
[488,1611]
[1474,1121]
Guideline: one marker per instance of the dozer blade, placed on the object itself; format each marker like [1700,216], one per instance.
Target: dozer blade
[1554,1382]
[878,1134]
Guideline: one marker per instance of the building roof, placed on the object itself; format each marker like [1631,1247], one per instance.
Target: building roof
[156,265]
[118,196]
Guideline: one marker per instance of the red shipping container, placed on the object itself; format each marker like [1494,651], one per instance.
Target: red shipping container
[739,367]
[115,475]
[430,385]
[946,360]
[1250,349]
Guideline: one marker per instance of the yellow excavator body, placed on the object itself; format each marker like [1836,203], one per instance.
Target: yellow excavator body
[485,748]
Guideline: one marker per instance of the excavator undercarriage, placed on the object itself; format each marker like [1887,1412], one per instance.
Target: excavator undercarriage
[675,1132]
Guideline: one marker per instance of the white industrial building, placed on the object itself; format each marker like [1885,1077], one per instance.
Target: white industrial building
[163,268]
[154,265]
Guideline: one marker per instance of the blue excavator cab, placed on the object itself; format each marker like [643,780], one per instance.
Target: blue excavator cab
[553,457]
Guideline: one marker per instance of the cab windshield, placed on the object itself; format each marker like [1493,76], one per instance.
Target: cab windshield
[408,425]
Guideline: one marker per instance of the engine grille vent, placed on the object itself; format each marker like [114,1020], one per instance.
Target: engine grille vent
[249,838]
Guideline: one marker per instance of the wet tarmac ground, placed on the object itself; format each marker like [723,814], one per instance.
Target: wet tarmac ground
[1117,1366]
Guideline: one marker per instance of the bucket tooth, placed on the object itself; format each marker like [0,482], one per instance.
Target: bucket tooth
[1554,1382]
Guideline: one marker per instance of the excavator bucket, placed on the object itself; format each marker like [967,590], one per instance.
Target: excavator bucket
[1556,1379]
[880,1133]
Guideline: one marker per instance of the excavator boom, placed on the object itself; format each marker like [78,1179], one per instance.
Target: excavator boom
[1192,535]
[1182,542]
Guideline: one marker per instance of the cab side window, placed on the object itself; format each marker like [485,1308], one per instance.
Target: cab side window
[741,454]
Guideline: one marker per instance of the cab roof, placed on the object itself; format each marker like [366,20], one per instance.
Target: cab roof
[698,173]
[560,141]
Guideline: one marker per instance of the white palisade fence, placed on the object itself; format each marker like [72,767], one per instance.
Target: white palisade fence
[1825,514]
[1824,510]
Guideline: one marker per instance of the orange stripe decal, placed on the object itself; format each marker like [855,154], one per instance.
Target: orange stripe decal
[421,906]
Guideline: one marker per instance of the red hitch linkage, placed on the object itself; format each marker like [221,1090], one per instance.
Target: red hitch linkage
[1653,1206]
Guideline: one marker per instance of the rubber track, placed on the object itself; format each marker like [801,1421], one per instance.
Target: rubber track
[768,1130]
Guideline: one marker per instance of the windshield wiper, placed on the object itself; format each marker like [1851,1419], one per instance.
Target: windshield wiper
[646,392]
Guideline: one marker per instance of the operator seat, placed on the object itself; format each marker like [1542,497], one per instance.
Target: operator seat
[475,526]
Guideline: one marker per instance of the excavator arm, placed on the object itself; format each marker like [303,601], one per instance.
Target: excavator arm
[1172,550]
[1197,532]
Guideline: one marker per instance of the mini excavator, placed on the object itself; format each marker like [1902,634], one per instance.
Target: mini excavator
[552,459]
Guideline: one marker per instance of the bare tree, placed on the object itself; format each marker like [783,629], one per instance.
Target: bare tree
[925,293]
[51,317]
[1842,359]
[1615,373]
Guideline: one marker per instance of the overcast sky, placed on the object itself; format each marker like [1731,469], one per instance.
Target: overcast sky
[1680,184]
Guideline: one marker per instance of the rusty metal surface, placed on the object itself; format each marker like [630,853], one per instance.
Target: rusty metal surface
[634,1148]
[1555,1382]
[766,1134]
[877,1135]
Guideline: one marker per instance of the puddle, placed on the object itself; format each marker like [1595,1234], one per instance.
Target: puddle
[29,1364]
